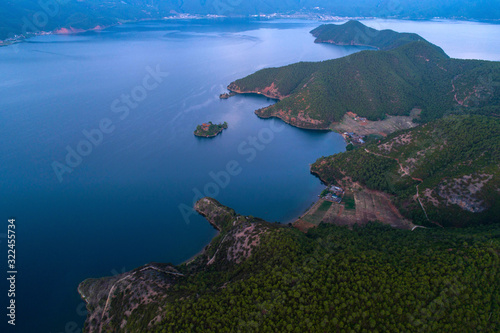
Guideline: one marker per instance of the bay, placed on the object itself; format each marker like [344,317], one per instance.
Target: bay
[125,203]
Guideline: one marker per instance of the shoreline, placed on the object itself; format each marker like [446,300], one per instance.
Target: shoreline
[69,30]
[60,31]
[202,251]
[19,38]
[322,129]
[256,93]
[329,128]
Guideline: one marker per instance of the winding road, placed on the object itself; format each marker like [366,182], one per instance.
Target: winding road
[113,287]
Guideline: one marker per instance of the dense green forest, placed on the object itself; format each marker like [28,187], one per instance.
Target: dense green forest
[356,33]
[332,279]
[21,16]
[374,84]
[454,160]
[266,277]
[366,280]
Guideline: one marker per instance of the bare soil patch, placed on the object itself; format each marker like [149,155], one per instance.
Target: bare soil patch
[369,206]
[383,127]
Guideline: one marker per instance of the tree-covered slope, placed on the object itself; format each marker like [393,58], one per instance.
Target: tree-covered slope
[455,161]
[356,33]
[332,279]
[374,84]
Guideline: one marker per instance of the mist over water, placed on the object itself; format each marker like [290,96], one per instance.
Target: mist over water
[137,92]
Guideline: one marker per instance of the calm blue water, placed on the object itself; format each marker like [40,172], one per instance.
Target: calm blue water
[122,204]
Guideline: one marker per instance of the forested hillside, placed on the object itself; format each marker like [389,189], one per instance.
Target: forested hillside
[374,84]
[369,279]
[454,161]
[372,279]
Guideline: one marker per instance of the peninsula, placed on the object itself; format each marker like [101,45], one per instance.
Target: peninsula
[266,277]
[407,73]
[209,130]
[356,33]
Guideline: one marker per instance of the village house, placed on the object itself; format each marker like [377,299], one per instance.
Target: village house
[355,138]
[333,198]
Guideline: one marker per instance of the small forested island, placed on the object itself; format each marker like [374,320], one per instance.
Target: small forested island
[209,130]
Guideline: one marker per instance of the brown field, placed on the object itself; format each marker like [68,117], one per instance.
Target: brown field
[314,216]
[383,127]
[369,206]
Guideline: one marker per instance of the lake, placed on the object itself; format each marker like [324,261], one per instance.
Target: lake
[99,162]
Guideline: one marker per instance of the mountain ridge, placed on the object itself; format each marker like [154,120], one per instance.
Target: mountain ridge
[374,84]
[355,33]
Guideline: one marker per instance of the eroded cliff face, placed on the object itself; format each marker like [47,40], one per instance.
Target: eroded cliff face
[301,120]
[270,91]
[135,299]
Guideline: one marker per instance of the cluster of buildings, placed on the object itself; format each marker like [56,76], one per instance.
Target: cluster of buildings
[334,194]
[361,119]
[353,137]
[205,127]
[356,118]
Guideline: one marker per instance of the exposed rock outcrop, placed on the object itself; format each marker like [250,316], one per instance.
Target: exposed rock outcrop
[118,303]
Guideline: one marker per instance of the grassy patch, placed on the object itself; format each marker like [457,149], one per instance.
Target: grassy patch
[349,202]
[325,206]
[317,216]
[373,137]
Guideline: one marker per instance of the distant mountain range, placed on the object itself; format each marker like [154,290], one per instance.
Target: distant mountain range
[21,17]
